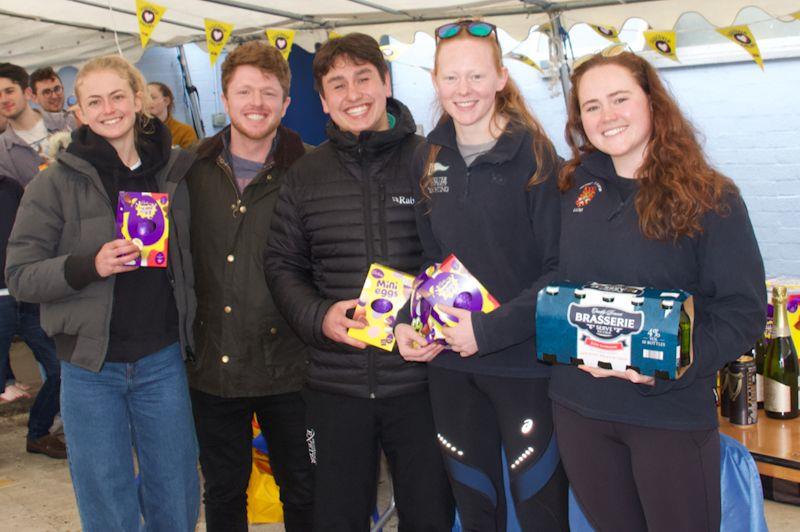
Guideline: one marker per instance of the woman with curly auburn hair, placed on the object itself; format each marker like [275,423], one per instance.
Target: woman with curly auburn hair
[641,206]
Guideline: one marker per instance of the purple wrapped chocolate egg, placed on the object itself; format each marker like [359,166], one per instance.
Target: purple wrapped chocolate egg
[381,306]
[471,301]
[145,227]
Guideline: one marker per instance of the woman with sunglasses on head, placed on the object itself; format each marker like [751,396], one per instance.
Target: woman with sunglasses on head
[641,206]
[488,194]
[121,331]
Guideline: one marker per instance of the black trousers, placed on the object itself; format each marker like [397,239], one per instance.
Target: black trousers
[224,434]
[632,478]
[479,416]
[346,434]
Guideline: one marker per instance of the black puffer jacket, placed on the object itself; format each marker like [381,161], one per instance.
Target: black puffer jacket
[341,207]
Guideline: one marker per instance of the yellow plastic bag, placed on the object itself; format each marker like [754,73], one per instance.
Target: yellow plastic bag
[263,497]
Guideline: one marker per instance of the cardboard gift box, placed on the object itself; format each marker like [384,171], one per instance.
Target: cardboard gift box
[142,218]
[615,327]
[384,293]
[448,283]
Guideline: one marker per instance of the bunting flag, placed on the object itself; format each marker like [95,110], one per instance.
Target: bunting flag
[333,35]
[609,32]
[217,34]
[796,15]
[547,28]
[742,36]
[148,15]
[525,59]
[392,51]
[664,42]
[282,40]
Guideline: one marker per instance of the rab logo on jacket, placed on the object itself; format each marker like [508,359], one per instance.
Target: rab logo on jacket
[402,200]
[439,182]
[586,194]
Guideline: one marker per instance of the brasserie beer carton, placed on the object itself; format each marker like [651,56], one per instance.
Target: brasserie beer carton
[142,219]
[384,293]
[615,327]
[448,283]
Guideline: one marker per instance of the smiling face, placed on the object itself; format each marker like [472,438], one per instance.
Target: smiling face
[467,81]
[616,115]
[355,96]
[49,95]
[255,102]
[12,99]
[108,105]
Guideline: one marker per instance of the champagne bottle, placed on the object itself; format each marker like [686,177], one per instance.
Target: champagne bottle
[780,364]
[760,352]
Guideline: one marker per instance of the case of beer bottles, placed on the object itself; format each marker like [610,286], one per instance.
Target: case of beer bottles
[616,327]
[792,285]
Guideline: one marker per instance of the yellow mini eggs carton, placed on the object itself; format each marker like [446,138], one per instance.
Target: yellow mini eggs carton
[384,294]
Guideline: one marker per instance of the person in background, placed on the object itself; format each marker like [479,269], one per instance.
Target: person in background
[249,361]
[47,92]
[641,206]
[121,331]
[162,104]
[486,192]
[341,207]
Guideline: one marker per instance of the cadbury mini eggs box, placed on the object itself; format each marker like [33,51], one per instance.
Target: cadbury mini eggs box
[142,219]
[448,283]
[615,327]
[384,294]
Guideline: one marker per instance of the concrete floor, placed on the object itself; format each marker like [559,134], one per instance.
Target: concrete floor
[36,493]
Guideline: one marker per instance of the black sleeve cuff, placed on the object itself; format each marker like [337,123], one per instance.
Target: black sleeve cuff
[79,271]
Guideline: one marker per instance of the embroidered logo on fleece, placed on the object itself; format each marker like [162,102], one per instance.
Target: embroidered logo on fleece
[586,194]
[439,182]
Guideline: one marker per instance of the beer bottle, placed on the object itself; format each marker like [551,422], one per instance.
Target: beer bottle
[760,352]
[780,364]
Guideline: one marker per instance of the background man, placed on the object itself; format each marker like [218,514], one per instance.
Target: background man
[248,359]
[47,91]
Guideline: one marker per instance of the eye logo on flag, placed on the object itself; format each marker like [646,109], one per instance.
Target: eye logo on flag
[217,35]
[148,15]
[742,36]
[663,42]
[392,51]
[609,32]
[282,40]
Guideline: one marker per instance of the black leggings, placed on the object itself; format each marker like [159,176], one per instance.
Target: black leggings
[478,415]
[632,478]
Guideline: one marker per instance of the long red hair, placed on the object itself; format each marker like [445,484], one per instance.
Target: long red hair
[509,104]
[678,185]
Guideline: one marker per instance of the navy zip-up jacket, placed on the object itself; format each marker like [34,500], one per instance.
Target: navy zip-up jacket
[505,235]
[721,268]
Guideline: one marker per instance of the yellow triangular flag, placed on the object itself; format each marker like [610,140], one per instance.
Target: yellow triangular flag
[547,27]
[333,35]
[742,36]
[796,15]
[392,51]
[282,40]
[525,59]
[609,32]
[664,42]
[217,34]
[148,15]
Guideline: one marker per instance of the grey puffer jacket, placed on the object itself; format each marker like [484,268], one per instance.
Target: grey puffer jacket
[66,211]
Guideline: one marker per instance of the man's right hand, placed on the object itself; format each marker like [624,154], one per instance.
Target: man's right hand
[114,255]
[336,323]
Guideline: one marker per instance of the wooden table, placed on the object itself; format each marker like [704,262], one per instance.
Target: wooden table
[774,444]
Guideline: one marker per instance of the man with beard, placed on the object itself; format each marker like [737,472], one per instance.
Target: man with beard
[48,92]
[25,142]
[248,360]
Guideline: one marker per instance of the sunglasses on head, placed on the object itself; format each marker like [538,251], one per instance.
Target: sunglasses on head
[609,51]
[476,28]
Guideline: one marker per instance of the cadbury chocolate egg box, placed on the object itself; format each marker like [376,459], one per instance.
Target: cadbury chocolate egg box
[448,283]
[615,327]
[384,294]
[142,219]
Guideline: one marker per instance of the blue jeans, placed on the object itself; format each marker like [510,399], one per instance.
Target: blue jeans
[22,319]
[147,403]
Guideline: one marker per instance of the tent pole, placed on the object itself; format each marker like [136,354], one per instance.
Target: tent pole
[557,42]
[191,90]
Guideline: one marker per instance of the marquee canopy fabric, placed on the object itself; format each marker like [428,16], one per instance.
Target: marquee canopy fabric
[62,32]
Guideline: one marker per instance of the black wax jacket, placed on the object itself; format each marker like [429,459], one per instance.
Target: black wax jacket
[342,207]
[244,347]
[721,268]
[10,194]
[505,233]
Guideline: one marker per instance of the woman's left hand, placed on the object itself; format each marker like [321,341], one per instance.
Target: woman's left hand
[460,336]
[629,375]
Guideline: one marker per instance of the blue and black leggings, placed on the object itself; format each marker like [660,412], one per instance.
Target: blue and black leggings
[477,416]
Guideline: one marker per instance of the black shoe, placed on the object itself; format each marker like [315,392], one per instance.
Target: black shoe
[48,445]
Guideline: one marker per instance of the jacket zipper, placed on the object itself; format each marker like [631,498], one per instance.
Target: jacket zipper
[368,234]
[232,181]
[382,221]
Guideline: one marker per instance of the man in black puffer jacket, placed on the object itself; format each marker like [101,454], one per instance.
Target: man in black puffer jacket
[342,207]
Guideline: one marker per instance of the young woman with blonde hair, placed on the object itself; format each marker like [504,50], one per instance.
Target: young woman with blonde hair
[488,195]
[121,331]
